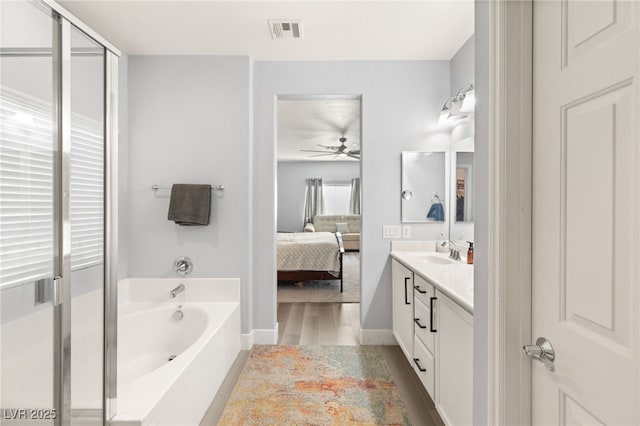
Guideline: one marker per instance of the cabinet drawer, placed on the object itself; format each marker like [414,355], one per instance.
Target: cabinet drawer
[424,366]
[422,322]
[423,289]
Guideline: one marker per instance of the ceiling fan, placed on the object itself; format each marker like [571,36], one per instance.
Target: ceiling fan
[341,150]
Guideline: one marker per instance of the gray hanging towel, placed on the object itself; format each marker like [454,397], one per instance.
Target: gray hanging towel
[190,204]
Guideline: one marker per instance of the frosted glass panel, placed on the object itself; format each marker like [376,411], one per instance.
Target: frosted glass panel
[26,211]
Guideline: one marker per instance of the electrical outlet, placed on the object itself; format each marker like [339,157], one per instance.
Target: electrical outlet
[406,231]
[391,231]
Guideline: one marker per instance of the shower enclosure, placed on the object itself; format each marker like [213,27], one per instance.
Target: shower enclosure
[58,97]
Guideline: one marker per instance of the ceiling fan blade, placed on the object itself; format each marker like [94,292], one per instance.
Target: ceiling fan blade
[315,150]
[320,155]
[329,146]
[353,156]
[355,152]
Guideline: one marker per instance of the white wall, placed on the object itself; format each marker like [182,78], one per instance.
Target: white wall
[189,122]
[401,102]
[292,186]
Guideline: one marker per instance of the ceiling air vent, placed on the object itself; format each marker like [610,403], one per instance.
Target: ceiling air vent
[285,29]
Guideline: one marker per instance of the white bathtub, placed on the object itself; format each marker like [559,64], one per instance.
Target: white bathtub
[153,390]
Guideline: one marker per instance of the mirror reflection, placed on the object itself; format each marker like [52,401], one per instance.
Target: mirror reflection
[423,187]
[464,187]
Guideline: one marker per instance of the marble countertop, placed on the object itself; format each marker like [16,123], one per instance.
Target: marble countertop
[455,279]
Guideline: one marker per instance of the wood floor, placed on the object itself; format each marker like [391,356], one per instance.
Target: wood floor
[334,324]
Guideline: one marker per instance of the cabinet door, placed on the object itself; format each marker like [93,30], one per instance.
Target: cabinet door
[454,376]
[424,366]
[402,294]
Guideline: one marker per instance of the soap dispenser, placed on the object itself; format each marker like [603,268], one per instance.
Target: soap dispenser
[470,253]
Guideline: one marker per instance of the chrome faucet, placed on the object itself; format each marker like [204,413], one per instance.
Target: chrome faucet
[183,266]
[454,253]
[173,293]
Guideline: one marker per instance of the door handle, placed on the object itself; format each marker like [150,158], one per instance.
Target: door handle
[417,321]
[417,361]
[419,290]
[542,351]
[431,308]
[406,299]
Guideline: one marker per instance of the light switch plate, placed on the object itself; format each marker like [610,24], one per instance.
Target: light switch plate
[391,231]
[406,231]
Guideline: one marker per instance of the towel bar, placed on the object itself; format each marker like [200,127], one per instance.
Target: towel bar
[213,187]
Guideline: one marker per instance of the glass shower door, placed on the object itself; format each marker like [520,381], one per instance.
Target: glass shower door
[57,97]
[28,372]
[87,227]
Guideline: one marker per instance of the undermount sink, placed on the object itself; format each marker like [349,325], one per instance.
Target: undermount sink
[436,260]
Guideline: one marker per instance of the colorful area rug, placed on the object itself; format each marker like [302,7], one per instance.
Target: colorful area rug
[315,385]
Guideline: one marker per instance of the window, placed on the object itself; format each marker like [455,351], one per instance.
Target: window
[336,197]
[26,190]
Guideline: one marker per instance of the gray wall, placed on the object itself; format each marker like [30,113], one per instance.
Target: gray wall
[401,102]
[462,66]
[292,187]
[189,122]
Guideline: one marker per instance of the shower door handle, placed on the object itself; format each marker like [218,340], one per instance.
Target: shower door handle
[56,291]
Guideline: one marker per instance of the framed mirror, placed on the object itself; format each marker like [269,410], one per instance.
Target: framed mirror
[424,187]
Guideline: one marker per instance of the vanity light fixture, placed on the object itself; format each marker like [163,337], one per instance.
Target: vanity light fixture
[457,107]
[444,112]
[468,95]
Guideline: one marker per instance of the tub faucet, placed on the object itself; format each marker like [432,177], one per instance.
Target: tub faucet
[173,293]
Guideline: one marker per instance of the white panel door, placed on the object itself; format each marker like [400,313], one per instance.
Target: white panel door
[586,215]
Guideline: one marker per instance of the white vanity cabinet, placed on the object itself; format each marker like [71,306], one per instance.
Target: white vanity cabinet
[436,334]
[454,380]
[402,295]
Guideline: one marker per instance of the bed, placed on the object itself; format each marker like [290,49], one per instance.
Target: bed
[306,256]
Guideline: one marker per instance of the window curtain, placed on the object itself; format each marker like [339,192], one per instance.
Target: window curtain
[354,202]
[314,201]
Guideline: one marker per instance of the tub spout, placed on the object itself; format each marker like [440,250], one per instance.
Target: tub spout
[173,293]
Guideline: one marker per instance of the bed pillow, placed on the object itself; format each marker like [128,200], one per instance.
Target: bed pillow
[342,227]
[309,227]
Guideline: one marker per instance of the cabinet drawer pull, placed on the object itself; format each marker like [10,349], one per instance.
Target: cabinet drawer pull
[431,307]
[417,321]
[419,290]
[406,299]
[417,361]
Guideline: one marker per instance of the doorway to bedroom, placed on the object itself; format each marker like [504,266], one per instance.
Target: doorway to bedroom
[318,218]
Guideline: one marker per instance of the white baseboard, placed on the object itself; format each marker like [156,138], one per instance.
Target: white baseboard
[246,341]
[259,337]
[377,337]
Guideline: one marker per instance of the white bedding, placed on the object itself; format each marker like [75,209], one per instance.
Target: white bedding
[308,251]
